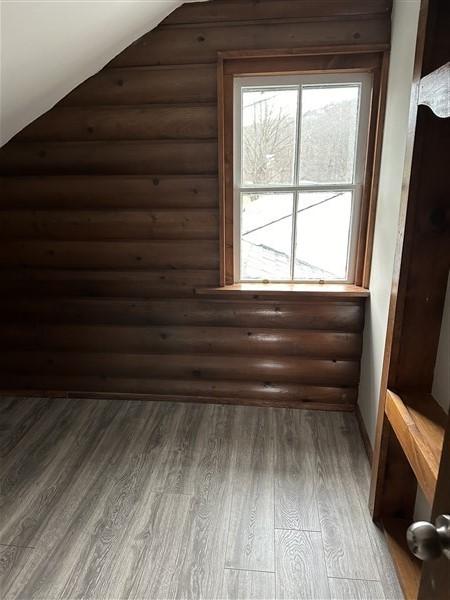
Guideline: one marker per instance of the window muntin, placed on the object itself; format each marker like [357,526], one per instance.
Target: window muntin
[297,194]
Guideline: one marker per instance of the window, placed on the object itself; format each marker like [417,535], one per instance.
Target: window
[300,145]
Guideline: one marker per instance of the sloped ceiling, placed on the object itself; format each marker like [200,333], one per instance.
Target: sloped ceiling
[49,47]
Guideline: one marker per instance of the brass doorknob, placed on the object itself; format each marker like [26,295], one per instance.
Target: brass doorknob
[428,541]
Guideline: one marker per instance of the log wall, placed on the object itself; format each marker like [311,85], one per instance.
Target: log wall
[109,225]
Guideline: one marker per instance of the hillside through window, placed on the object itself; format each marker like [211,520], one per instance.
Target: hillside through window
[299,159]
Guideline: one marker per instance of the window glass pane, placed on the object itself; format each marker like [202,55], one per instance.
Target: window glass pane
[268,135]
[266,235]
[323,234]
[328,133]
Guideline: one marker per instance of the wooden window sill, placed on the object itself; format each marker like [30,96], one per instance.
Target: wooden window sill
[285,290]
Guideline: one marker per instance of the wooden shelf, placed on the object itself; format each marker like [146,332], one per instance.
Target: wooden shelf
[407,566]
[419,424]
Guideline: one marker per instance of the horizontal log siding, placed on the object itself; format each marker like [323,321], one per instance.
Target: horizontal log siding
[109,223]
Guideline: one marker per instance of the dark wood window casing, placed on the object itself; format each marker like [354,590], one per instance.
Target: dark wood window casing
[370,59]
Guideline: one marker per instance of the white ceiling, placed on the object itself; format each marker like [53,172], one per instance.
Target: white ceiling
[49,47]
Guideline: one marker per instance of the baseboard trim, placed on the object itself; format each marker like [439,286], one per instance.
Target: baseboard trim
[300,404]
[364,435]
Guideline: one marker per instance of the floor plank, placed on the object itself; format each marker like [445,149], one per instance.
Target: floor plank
[360,470]
[16,419]
[76,550]
[295,468]
[116,500]
[300,566]
[176,472]
[354,589]
[34,478]
[12,560]
[251,531]
[248,585]
[199,569]
[148,561]
[108,530]
[342,517]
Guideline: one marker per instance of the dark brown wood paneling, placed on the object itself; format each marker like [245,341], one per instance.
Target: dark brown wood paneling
[240,392]
[124,123]
[201,43]
[181,339]
[333,316]
[145,85]
[118,254]
[240,10]
[109,283]
[160,224]
[282,369]
[135,157]
[109,224]
[98,192]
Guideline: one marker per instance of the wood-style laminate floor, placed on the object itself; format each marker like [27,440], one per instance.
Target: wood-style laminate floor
[106,499]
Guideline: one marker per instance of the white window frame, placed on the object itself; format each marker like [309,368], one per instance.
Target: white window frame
[365,81]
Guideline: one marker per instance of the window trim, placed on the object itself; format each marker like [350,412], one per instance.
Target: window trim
[338,59]
[365,80]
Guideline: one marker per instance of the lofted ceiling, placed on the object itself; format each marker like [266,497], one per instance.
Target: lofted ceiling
[49,47]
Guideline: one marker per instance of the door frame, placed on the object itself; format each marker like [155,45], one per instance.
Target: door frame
[411,426]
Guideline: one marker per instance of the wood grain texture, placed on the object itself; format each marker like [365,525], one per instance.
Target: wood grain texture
[135,499]
[251,528]
[408,568]
[437,576]
[332,291]
[252,585]
[419,424]
[300,567]
[295,472]
[109,157]
[50,465]
[93,507]
[110,203]
[201,43]
[352,589]
[104,283]
[340,510]
[352,446]
[177,122]
[186,83]
[148,559]
[199,570]
[159,224]
[10,559]
[183,340]
[183,390]
[317,316]
[221,10]
[176,473]
[102,192]
[148,254]
[16,418]
[282,369]
[106,524]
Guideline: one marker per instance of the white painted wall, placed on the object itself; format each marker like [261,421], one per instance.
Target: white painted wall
[404,29]
[441,381]
[49,47]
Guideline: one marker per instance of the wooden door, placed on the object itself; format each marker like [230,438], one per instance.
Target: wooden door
[412,438]
[435,579]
